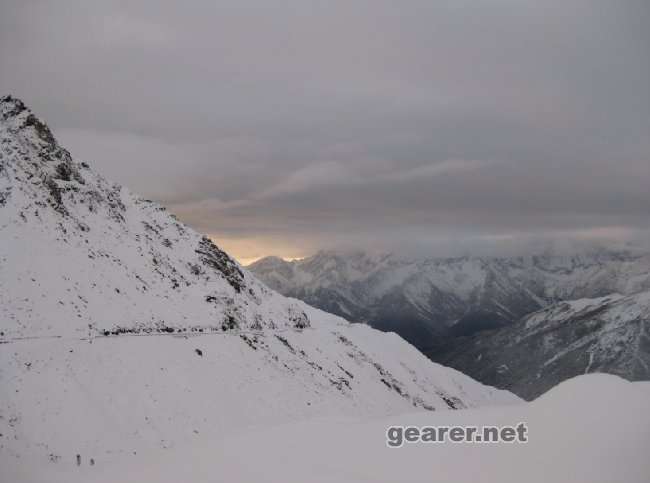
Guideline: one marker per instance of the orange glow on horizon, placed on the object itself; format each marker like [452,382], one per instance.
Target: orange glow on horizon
[249,250]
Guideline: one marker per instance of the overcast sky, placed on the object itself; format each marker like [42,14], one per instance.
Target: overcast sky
[280,127]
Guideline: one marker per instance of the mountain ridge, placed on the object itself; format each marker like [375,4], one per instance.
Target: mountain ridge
[449,296]
[483,308]
[607,334]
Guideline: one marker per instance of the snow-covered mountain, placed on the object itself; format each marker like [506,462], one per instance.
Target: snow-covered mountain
[122,329]
[608,334]
[426,300]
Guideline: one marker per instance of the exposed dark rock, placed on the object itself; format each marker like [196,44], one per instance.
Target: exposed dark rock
[219,260]
[286,343]
[229,323]
[55,198]
[63,171]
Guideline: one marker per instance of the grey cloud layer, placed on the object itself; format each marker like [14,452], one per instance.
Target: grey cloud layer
[328,122]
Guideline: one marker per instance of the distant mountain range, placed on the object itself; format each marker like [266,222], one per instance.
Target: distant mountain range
[437,303]
[425,298]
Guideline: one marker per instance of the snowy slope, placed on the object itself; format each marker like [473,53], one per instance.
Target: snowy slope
[121,329]
[591,429]
[607,334]
[93,254]
[425,298]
